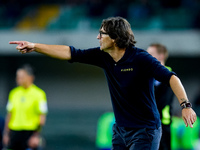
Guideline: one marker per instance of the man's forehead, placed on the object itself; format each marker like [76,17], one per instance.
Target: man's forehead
[151,48]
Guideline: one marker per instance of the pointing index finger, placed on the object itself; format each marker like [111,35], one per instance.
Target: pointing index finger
[15,42]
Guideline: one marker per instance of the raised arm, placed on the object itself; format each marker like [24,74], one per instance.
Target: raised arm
[56,51]
[188,114]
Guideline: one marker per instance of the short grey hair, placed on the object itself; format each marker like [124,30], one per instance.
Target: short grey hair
[28,68]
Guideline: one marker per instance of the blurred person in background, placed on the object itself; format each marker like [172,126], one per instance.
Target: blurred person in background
[163,95]
[27,109]
[130,73]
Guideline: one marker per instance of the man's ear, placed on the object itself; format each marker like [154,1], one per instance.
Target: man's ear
[162,57]
[115,44]
[32,78]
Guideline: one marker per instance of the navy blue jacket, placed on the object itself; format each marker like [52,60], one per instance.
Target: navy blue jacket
[131,84]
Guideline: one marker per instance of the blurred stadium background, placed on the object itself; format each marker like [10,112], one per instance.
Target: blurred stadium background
[78,94]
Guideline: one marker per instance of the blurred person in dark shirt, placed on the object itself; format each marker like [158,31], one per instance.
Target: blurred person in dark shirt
[163,95]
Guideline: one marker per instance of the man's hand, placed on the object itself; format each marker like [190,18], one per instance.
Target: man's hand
[189,116]
[34,141]
[24,46]
[5,139]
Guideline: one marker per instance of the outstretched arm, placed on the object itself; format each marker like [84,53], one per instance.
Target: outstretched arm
[188,114]
[56,51]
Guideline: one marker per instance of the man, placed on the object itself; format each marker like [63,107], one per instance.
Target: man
[163,95]
[130,73]
[27,108]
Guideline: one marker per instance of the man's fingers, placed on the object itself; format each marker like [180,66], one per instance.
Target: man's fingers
[23,46]
[185,121]
[189,117]
[190,124]
[20,43]
[193,119]
[24,51]
[19,47]
[15,42]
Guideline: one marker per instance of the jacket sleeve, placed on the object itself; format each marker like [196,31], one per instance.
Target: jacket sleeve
[155,69]
[92,56]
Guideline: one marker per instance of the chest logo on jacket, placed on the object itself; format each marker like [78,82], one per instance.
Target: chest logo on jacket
[126,69]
